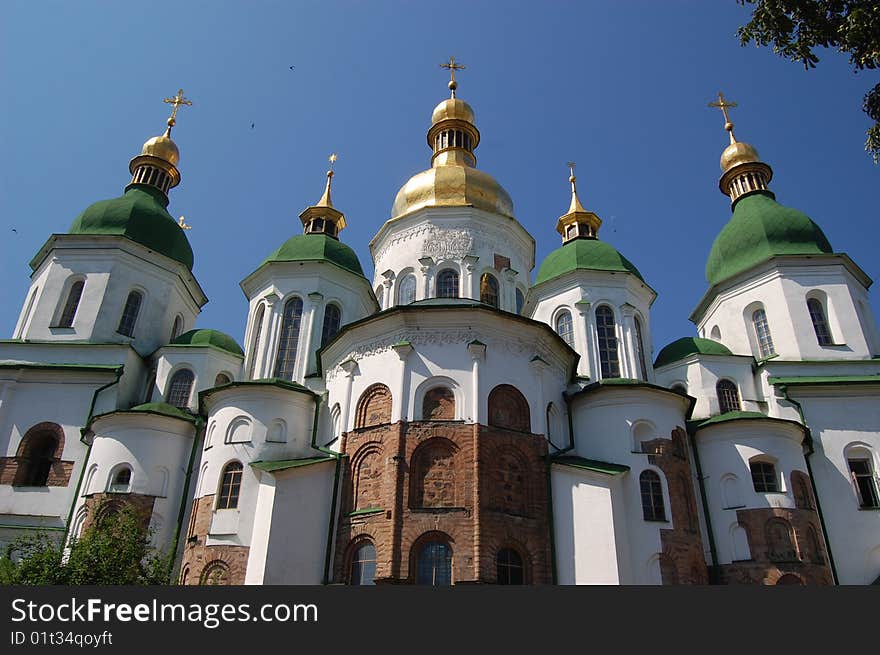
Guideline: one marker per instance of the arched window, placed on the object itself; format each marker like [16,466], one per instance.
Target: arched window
[332,320]
[121,482]
[509,409]
[36,454]
[861,469]
[509,567]
[520,301]
[728,397]
[374,407]
[447,284]
[255,348]
[434,564]
[652,496]
[820,323]
[368,467]
[679,388]
[230,485]
[640,348]
[564,327]
[285,360]
[70,307]
[489,289]
[438,404]
[176,328]
[130,314]
[781,544]
[179,388]
[363,565]
[221,379]
[608,359]
[763,476]
[762,333]
[215,573]
[406,290]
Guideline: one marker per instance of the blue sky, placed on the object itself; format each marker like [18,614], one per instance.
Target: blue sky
[619,87]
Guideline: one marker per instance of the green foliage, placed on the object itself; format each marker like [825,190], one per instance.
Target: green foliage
[796,27]
[114,551]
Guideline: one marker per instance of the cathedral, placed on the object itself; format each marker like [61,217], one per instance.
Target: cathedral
[452,420]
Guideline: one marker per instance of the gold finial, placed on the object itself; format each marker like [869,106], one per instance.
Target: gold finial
[182,224]
[177,101]
[325,199]
[452,66]
[724,105]
[575,202]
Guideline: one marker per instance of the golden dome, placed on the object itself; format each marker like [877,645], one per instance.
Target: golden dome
[163,148]
[452,186]
[452,109]
[738,153]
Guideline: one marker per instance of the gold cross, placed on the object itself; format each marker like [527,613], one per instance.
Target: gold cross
[452,66]
[332,159]
[724,105]
[176,101]
[571,166]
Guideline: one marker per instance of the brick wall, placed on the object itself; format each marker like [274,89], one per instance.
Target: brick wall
[199,560]
[479,489]
[59,473]
[100,504]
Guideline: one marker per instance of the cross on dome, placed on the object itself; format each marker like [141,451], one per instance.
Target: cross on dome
[177,101]
[724,104]
[452,66]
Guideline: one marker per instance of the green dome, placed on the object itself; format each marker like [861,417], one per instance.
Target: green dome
[165,409]
[584,254]
[686,346]
[140,215]
[215,338]
[317,247]
[759,229]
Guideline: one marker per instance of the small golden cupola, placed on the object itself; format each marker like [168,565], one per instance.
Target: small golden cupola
[156,166]
[323,217]
[742,170]
[577,222]
[453,135]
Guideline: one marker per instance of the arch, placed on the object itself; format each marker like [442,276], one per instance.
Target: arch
[216,572]
[800,484]
[176,327]
[362,562]
[728,396]
[510,568]
[90,479]
[438,404]
[184,575]
[79,522]
[130,312]
[230,486]
[679,387]
[335,421]
[789,578]
[761,337]
[730,491]
[277,432]
[288,339]
[431,559]
[332,322]
[71,304]
[367,467]
[222,378]
[209,438]
[642,431]
[564,326]
[41,446]
[780,539]
[239,430]
[509,475]
[255,340]
[447,283]
[490,293]
[509,409]
[715,333]
[203,482]
[639,339]
[814,546]
[379,296]
[739,543]
[520,300]
[651,489]
[432,474]
[606,332]
[119,480]
[406,288]
[374,407]
[180,388]
[819,318]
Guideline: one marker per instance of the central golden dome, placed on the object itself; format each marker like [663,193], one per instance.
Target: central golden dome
[738,153]
[163,148]
[452,180]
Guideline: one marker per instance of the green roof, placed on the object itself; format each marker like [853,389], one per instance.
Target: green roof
[214,338]
[285,464]
[681,348]
[165,409]
[733,416]
[140,215]
[584,254]
[759,229]
[826,379]
[590,464]
[317,247]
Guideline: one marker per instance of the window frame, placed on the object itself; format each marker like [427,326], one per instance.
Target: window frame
[655,510]
[762,464]
[819,319]
[763,335]
[726,391]
[562,314]
[72,301]
[229,496]
[170,387]
[452,274]
[128,319]
[609,353]
[288,346]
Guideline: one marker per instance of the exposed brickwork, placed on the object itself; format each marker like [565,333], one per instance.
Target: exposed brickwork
[59,473]
[103,504]
[373,407]
[508,408]
[439,405]
[447,481]
[784,543]
[682,560]
[203,564]
[35,440]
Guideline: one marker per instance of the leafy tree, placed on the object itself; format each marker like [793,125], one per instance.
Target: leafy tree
[796,27]
[115,550]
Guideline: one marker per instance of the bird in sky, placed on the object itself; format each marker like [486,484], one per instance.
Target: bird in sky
[252,125]
[291,68]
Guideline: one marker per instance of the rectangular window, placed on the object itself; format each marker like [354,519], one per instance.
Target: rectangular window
[764,477]
[866,486]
